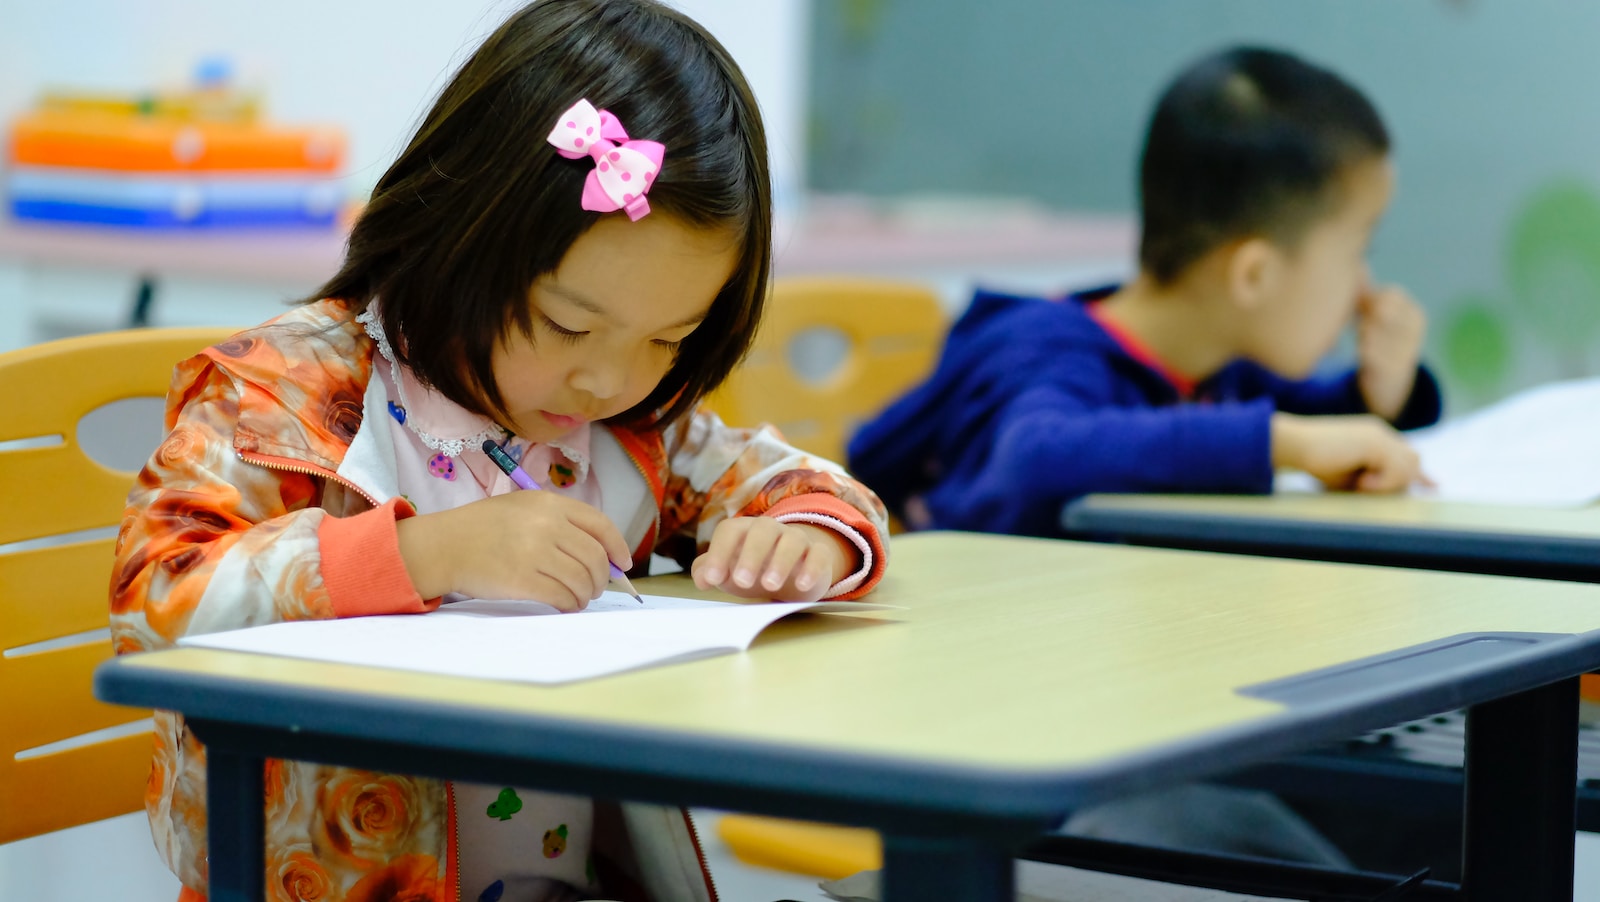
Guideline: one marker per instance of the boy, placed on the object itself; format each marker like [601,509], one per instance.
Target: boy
[1261,181]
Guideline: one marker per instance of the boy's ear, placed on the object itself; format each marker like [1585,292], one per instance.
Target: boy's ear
[1251,270]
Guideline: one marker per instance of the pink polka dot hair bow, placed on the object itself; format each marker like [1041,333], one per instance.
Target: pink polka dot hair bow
[622,172]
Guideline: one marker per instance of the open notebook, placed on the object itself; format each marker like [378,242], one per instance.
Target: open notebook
[1540,447]
[525,641]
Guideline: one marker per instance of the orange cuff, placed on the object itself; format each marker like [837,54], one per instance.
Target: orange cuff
[822,509]
[362,566]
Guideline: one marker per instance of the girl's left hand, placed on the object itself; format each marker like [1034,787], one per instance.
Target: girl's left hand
[758,557]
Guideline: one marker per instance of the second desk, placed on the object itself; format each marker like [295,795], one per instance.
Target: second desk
[1548,543]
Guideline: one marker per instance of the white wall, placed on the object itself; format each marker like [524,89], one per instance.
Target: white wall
[769,39]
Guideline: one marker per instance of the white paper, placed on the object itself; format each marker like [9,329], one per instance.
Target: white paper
[1539,448]
[525,641]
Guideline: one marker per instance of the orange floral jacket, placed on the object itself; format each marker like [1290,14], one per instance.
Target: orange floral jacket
[241,518]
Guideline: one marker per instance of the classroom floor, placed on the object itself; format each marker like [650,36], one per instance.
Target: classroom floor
[114,860]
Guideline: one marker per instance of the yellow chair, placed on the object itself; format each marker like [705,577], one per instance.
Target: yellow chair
[819,850]
[892,332]
[54,584]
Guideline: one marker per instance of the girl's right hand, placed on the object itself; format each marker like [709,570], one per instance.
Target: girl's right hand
[525,545]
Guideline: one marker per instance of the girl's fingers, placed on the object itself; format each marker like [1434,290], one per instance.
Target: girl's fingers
[760,557]
[701,571]
[589,552]
[555,593]
[596,524]
[710,570]
[791,547]
[574,576]
[760,538]
[812,579]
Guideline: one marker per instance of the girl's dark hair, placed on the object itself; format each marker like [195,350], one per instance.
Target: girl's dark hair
[478,205]
[1247,142]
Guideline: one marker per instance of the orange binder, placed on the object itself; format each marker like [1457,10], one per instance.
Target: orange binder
[103,140]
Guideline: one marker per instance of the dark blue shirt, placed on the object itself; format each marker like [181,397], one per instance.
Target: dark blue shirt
[1034,403]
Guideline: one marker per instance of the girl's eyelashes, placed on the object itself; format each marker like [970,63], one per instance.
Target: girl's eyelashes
[573,337]
[564,334]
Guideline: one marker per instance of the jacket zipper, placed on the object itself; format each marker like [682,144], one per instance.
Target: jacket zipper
[654,536]
[276,463]
[700,854]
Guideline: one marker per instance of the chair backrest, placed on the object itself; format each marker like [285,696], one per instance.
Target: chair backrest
[891,334]
[54,581]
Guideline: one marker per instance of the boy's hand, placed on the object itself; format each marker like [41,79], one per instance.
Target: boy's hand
[1349,453]
[1389,331]
[758,557]
[535,545]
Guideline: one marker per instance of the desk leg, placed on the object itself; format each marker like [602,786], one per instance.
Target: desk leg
[144,296]
[1522,774]
[235,813]
[916,869]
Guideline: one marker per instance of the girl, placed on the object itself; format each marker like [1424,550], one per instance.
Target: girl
[572,250]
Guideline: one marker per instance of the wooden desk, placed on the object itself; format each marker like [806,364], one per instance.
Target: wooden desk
[1397,531]
[1026,679]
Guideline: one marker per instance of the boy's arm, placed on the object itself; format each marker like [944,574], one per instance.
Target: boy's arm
[1050,448]
[716,472]
[210,542]
[1342,394]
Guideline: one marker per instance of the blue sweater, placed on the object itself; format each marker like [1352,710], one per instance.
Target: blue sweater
[1034,404]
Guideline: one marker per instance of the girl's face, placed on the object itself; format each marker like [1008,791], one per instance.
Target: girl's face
[608,320]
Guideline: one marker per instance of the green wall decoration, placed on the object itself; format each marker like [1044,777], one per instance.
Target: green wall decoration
[1553,264]
[1477,348]
[862,19]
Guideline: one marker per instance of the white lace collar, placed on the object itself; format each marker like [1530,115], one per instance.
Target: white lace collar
[445,426]
[440,423]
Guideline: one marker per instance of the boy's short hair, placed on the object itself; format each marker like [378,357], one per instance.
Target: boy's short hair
[478,205]
[1247,142]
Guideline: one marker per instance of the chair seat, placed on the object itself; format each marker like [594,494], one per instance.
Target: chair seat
[800,847]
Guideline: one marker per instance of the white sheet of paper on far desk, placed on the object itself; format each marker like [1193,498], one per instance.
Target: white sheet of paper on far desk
[524,641]
[1539,448]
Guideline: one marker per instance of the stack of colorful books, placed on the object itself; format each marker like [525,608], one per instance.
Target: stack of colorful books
[165,163]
